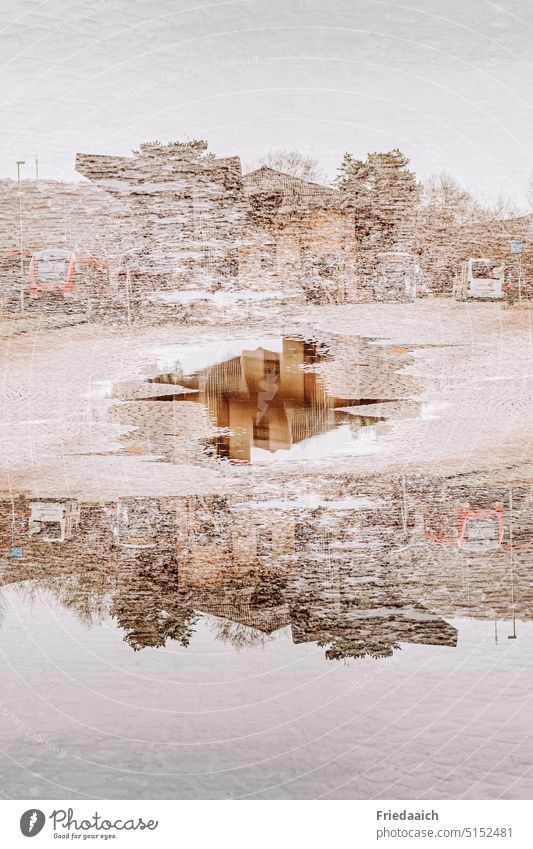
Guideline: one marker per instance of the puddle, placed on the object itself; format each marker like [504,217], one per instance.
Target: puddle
[268,400]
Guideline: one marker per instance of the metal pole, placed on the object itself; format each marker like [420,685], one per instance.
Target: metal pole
[19,163]
[404,511]
[513,635]
[520,278]
[36,167]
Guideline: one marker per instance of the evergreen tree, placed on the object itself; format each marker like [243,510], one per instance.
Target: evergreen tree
[383,195]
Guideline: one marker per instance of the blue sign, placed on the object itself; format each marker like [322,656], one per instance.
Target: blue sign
[516,246]
[17,552]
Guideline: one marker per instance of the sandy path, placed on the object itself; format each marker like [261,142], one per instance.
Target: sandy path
[467,365]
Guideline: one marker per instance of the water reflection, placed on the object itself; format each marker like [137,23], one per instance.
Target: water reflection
[355,574]
[267,400]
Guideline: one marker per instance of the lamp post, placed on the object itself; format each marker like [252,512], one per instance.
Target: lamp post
[516,248]
[19,163]
[513,635]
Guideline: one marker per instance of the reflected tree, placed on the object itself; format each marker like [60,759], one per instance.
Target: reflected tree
[239,636]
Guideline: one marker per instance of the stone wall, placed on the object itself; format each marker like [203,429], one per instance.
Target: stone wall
[185,213]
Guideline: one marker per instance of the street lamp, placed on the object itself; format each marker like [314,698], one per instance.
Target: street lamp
[513,635]
[19,163]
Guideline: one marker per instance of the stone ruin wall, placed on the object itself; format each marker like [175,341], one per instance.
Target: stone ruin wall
[185,217]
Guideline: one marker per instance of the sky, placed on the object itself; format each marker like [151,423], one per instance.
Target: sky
[447,81]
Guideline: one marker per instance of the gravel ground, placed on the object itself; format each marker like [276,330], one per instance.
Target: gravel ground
[466,365]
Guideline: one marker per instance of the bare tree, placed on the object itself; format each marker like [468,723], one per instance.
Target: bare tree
[445,198]
[502,208]
[453,225]
[239,636]
[293,162]
[448,221]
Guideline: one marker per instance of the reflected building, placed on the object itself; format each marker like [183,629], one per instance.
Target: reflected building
[266,399]
[356,575]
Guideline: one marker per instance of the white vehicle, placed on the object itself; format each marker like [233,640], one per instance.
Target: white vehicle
[480,279]
[53,521]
